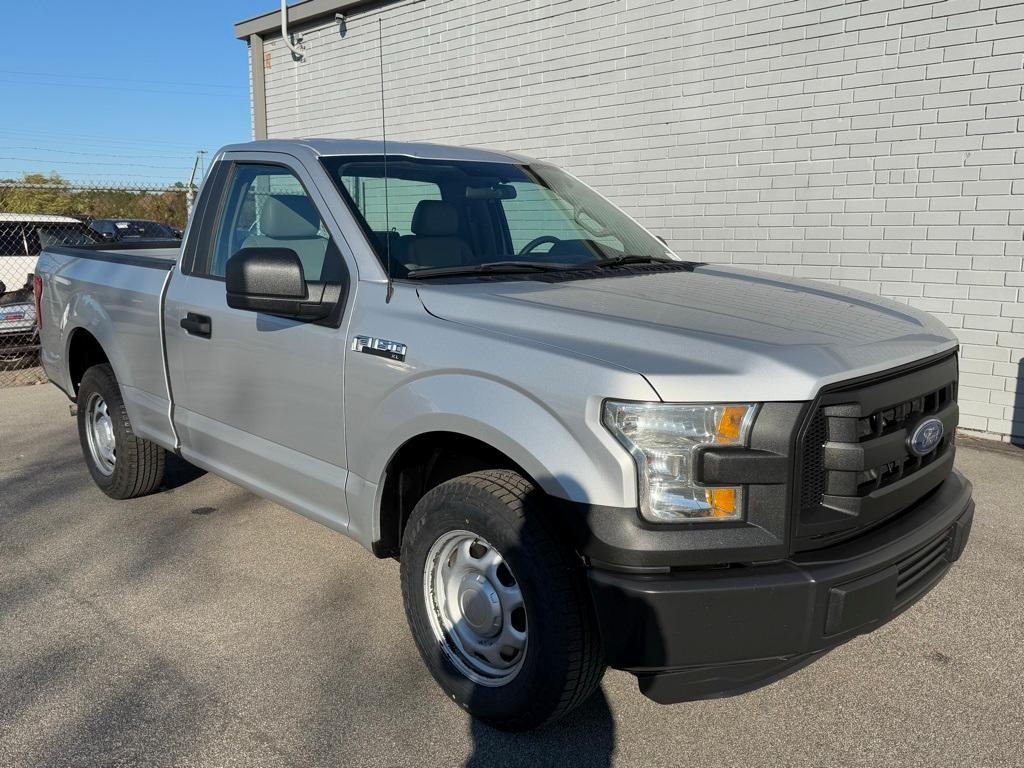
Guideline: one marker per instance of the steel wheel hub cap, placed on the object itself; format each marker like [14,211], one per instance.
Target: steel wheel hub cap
[99,432]
[480,605]
[475,607]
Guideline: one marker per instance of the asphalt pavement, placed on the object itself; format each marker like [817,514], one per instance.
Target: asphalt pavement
[202,626]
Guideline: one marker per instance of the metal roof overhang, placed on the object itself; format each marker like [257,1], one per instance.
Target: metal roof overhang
[307,10]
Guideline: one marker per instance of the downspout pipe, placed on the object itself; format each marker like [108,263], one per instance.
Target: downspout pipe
[284,31]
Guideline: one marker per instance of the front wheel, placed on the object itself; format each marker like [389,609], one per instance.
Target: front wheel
[122,465]
[497,604]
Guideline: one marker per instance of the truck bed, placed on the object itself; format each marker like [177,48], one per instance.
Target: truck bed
[114,291]
[157,255]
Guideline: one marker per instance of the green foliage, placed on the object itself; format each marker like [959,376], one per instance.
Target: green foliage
[61,198]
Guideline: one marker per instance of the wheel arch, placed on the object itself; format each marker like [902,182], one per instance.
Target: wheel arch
[84,350]
[565,453]
[420,464]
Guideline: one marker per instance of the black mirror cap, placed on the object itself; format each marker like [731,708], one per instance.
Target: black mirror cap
[270,272]
[271,280]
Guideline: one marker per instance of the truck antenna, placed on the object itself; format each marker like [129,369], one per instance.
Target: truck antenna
[190,191]
[384,137]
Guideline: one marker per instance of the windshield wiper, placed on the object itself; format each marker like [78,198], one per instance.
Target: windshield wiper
[630,259]
[489,268]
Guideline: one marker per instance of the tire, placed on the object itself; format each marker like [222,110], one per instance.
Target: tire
[137,466]
[561,663]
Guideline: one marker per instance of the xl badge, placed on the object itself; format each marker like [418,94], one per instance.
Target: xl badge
[392,350]
[926,437]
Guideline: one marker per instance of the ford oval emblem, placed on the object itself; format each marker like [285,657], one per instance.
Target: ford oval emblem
[926,437]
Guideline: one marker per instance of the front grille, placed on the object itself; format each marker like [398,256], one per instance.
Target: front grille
[813,473]
[856,470]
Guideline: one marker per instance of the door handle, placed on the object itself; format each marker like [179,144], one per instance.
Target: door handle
[197,325]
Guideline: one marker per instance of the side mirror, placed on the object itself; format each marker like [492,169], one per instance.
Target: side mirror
[270,280]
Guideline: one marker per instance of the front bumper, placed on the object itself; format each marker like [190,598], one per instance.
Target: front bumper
[713,632]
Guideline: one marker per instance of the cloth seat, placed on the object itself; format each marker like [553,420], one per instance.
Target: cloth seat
[435,240]
[291,221]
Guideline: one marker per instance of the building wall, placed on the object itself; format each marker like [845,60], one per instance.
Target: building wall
[874,143]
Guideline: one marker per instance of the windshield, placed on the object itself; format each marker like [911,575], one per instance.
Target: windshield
[444,214]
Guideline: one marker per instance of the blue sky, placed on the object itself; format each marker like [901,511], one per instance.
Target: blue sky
[123,91]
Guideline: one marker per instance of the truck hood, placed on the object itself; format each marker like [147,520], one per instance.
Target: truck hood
[714,334]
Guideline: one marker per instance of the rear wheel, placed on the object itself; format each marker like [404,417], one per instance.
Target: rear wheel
[497,604]
[122,465]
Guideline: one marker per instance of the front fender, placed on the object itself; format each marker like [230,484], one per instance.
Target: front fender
[568,454]
[566,457]
[538,405]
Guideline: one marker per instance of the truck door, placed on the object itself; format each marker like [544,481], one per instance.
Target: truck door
[259,398]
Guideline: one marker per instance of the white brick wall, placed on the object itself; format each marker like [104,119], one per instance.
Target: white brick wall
[874,143]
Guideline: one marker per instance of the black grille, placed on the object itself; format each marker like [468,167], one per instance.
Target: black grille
[855,467]
[813,474]
[922,569]
[901,418]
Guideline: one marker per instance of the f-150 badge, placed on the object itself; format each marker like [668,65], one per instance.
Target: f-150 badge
[392,350]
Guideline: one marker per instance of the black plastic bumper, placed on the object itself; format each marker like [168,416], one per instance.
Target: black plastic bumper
[715,632]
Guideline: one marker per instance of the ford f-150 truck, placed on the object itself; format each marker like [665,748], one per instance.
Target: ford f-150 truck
[584,449]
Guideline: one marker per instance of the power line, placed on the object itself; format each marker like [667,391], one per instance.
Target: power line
[77,86]
[85,180]
[79,138]
[98,154]
[112,164]
[117,79]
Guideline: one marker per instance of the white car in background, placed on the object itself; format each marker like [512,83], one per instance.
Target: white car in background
[22,237]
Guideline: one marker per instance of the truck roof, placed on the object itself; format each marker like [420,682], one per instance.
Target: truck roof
[423,150]
[39,218]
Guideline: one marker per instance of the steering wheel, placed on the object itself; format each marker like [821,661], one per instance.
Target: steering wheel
[537,242]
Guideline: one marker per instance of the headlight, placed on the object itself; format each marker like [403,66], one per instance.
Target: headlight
[663,439]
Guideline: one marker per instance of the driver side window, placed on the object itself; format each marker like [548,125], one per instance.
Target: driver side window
[266,206]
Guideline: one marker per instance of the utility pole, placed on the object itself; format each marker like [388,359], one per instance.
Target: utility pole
[190,192]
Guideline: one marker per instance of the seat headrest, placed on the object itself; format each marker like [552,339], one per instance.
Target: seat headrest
[435,218]
[287,216]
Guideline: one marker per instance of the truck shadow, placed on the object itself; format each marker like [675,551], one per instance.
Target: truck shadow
[586,736]
[179,472]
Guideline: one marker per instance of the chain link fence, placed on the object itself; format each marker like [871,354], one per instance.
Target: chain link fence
[41,211]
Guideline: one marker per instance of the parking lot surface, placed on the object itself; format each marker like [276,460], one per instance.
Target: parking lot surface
[202,626]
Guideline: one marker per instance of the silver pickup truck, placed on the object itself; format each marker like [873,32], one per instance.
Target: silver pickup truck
[584,449]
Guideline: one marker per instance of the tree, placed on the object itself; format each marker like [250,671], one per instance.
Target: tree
[37,193]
